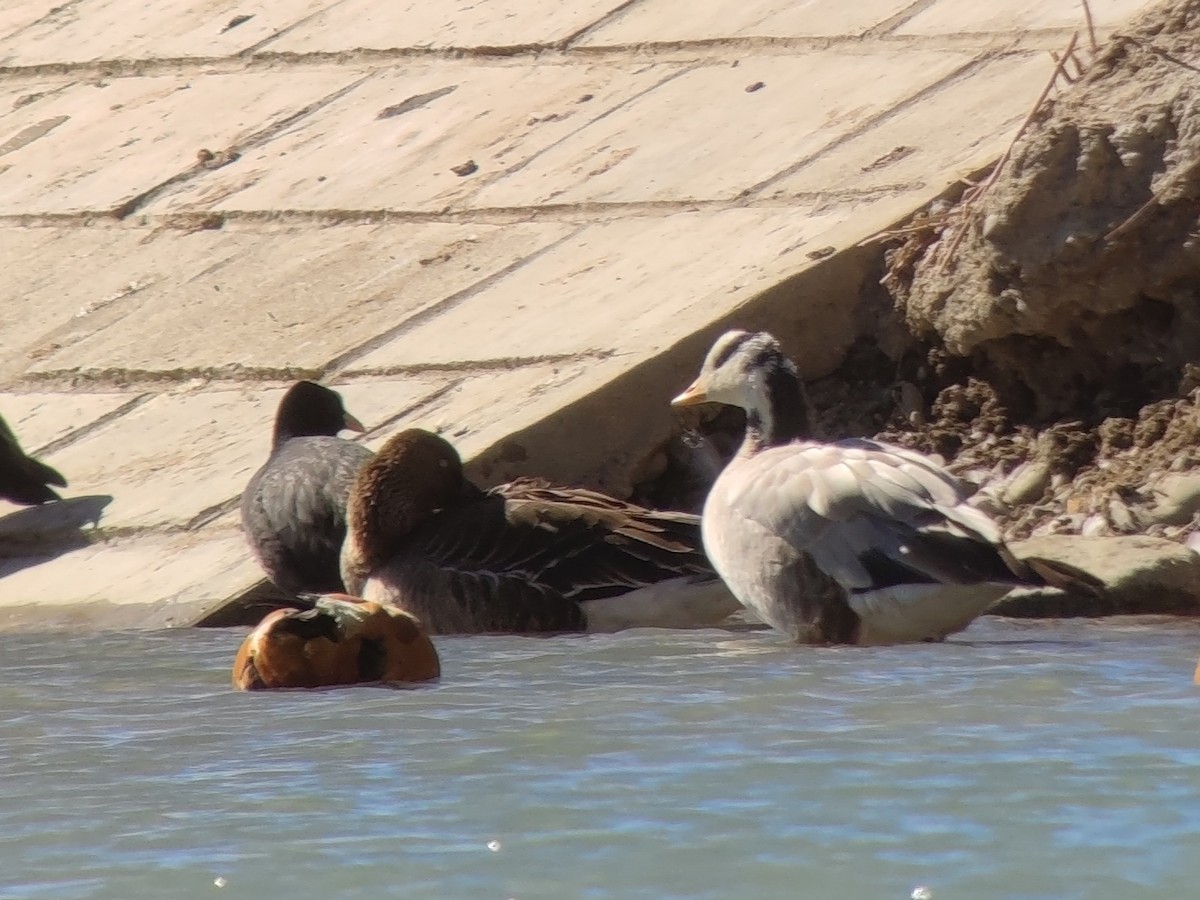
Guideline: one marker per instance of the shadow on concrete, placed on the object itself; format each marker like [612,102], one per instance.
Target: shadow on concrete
[32,536]
[247,608]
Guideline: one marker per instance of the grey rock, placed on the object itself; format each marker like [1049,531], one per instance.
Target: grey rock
[1141,575]
[1176,499]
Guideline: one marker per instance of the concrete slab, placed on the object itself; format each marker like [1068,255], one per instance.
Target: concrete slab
[277,298]
[955,132]
[16,16]
[956,17]
[45,272]
[482,408]
[136,29]
[394,141]
[156,580]
[187,452]
[660,21]
[45,416]
[109,141]
[182,453]
[635,286]
[355,24]
[716,131]
[378,402]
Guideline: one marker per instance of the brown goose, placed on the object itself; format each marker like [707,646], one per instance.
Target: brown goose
[522,557]
[850,542]
[23,479]
[294,508]
[335,640]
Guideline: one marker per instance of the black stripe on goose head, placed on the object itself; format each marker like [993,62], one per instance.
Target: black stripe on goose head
[413,476]
[787,400]
[726,346]
[309,409]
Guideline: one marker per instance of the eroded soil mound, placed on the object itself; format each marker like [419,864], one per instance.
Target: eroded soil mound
[1076,276]
[1059,310]
[1116,476]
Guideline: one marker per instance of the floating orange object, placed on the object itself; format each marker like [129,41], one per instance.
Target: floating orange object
[337,640]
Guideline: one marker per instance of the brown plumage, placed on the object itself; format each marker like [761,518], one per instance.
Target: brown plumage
[522,557]
[337,640]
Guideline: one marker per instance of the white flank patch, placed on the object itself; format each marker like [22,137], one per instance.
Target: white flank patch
[675,603]
[920,612]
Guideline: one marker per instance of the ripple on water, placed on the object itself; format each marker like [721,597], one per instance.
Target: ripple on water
[1020,760]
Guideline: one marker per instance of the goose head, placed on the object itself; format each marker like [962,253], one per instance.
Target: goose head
[309,409]
[413,476]
[748,370]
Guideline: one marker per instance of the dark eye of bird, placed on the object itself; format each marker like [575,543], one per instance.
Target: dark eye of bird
[765,358]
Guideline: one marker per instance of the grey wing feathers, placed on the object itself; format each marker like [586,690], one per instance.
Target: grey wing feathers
[294,511]
[870,514]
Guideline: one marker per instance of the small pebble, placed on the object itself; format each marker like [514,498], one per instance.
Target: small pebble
[756,86]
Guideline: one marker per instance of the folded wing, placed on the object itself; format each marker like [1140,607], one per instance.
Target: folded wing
[528,557]
[873,516]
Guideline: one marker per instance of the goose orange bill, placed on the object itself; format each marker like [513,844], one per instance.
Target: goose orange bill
[695,393]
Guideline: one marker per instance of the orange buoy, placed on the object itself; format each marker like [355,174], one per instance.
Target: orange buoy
[337,640]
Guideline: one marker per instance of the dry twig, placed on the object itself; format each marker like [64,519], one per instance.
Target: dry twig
[943,253]
[1091,27]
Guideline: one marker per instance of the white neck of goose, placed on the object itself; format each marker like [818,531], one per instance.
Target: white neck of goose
[778,411]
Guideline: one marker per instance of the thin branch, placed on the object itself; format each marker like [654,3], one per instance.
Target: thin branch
[1091,26]
[973,196]
[1155,201]
[1158,51]
[917,226]
[1134,218]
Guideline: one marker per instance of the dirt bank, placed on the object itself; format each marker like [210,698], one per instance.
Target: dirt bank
[1057,312]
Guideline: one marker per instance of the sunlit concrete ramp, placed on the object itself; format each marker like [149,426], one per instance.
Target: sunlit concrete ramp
[519,223]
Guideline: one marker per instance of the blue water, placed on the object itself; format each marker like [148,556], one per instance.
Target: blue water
[1020,760]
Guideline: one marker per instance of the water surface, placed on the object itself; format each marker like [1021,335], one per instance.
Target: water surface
[1020,760]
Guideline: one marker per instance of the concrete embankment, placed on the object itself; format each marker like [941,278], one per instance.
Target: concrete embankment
[520,225]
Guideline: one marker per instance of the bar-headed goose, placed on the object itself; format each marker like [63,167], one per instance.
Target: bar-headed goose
[521,557]
[334,640]
[294,508]
[850,542]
